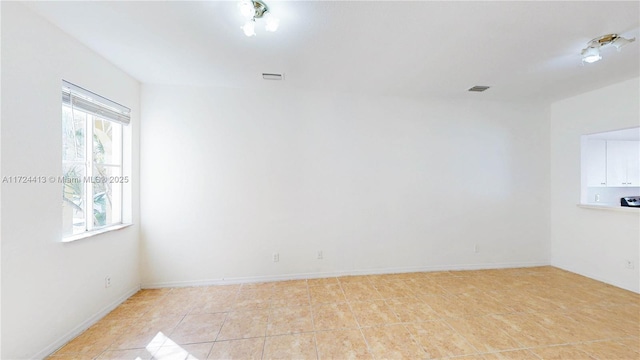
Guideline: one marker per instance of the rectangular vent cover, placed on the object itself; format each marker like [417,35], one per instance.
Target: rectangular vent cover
[479,88]
[269,76]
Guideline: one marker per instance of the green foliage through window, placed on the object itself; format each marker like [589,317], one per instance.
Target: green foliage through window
[91,197]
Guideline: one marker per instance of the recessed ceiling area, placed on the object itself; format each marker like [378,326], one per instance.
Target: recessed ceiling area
[524,50]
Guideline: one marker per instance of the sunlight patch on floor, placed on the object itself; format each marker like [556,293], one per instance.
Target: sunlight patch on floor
[167,349]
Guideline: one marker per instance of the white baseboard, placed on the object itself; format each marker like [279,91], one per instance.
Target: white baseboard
[85,325]
[596,277]
[283,277]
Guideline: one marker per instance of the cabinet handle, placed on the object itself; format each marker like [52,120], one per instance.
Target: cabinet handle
[603,183]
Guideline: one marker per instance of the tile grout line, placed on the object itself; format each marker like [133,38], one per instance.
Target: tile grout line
[313,324]
[266,328]
[403,324]
[366,342]
[410,333]
[114,340]
[226,316]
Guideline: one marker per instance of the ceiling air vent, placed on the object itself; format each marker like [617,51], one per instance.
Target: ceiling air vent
[479,88]
[269,76]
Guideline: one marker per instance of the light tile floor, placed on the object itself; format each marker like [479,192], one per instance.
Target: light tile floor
[527,313]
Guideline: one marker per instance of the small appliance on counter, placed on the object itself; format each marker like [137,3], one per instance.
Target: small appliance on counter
[630,201]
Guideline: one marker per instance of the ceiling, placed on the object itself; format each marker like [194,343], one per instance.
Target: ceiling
[524,50]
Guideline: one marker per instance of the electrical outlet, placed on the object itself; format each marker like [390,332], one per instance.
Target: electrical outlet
[320,256]
[629,264]
[107,281]
[475,248]
[276,257]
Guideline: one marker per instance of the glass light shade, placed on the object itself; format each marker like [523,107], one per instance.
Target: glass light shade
[591,58]
[591,55]
[619,42]
[249,28]
[247,9]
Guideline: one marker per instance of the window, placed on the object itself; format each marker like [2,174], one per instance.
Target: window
[92,161]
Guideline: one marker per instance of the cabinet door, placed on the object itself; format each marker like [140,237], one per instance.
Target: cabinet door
[617,163]
[633,163]
[596,163]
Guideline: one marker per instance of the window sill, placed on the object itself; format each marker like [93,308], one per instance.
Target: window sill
[89,234]
[609,207]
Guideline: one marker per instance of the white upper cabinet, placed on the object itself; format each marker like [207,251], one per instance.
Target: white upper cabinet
[633,163]
[622,163]
[596,162]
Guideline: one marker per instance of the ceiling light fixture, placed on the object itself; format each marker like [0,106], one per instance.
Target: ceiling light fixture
[591,53]
[257,9]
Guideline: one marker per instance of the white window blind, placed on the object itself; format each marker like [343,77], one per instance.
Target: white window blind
[85,100]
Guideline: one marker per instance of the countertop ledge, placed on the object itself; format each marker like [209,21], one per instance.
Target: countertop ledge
[609,207]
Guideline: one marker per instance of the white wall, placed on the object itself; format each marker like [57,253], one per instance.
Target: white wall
[50,288]
[378,184]
[0,191]
[609,195]
[591,242]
